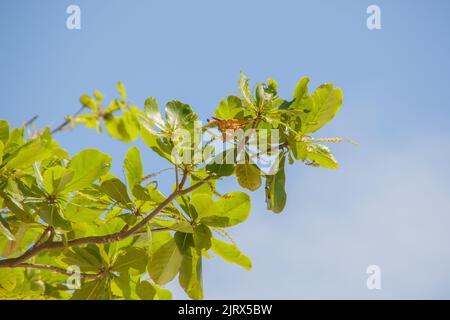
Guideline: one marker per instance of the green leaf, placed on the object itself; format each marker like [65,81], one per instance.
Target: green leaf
[53,215]
[179,115]
[156,144]
[191,274]
[83,213]
[301,91]
[133,167]
[35,150]
[207,189]
[124,282]
[117,191]
[98,98]
[150,291]
[4,131]
[322,156]
[200,203]
[145,290]
[244,91]
[14,139]
[163,294]
[227,211]
[272,87]
[262,98]
[5,231]
[191,267]
[88,259]
[326,103]
[158,240]
[124,128]
[131,258]
[230,253]
[99,289]
[55,179]
[275,189]
[248,176]
[2,147]
[177,225]
[202,237]
[299,149]
[165,263]
[8,279]
[122,91]
[88,166]
[153,113]
[223,164]
[230,109]
[88,102]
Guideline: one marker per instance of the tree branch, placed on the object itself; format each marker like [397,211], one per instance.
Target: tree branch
[30,122]
[110,238]
[66,122]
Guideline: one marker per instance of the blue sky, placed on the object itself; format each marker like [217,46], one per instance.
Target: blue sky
[389,202]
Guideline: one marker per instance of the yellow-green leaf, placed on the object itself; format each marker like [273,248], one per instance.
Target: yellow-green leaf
[248,176]
[230,253]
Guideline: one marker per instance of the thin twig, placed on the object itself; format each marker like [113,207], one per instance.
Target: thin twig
[30,122]
[67,121]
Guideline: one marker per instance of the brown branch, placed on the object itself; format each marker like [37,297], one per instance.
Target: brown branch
[195,186]
[30,122]
[110,238]
[63,125]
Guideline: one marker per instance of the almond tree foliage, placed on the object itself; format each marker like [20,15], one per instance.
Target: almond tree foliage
[127,238]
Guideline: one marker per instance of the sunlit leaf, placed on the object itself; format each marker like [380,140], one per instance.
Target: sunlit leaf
[326,103]
[4,131]
[227,211]
[230,253]
[223,164]
[133,167]
[53,215]
[231,108]
[165,262]
[98,289]
[122,91]
[145,290]
[117,191]
[88,166]
[134,258]
[88,102]
[275,189]
[322,156]
[55,179]
[248,176]
[202,237]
